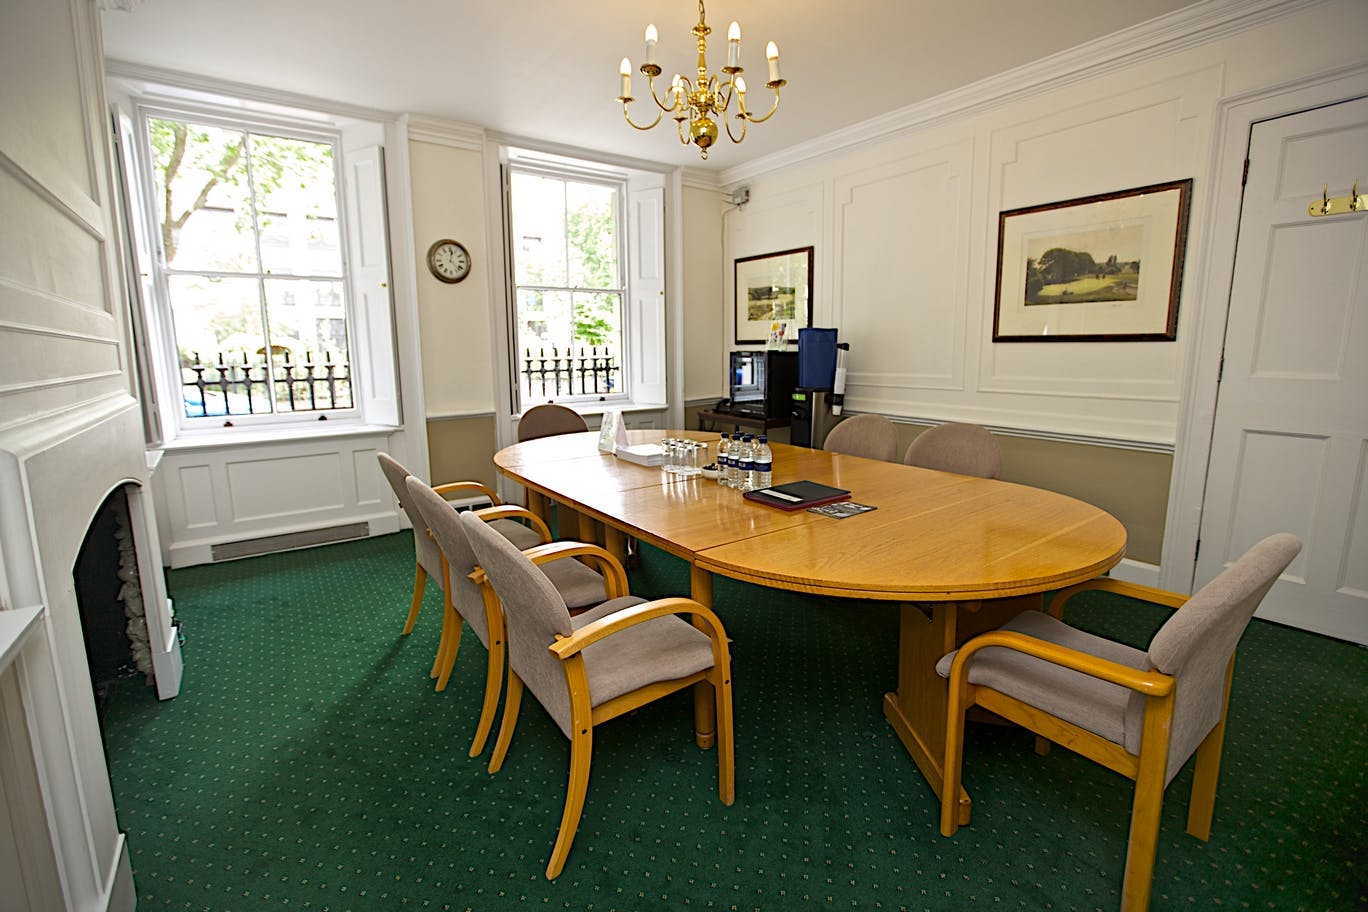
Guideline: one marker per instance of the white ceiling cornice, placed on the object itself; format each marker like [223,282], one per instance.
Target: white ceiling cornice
[156,76]
[445,132]
[1182,29]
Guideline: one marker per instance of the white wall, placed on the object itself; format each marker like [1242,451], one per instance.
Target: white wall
[905,226]
[704,303]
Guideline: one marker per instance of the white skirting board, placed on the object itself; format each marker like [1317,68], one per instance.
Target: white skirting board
[1136,572]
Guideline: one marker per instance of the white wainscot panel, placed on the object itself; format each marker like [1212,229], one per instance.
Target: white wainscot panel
[1290,345]
[283,486]
[370,489]
[1082,149]
[900,279]
[1269,497]
[197,496]
[1353,576]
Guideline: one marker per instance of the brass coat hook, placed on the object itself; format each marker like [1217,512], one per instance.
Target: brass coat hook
[1338,205]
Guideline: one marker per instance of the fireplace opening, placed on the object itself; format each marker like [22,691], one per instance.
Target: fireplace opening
[109,597]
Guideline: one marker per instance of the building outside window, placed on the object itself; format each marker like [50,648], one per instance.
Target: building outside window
[251,266]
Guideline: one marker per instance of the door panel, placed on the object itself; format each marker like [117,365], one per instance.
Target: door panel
[1291,429]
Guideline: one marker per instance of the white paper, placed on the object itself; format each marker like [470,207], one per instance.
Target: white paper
[608,431]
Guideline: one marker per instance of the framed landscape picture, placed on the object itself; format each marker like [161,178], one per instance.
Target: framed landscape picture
[1095,269]
[772,287]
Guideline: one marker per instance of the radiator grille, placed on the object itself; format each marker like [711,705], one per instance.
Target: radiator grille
[271,543]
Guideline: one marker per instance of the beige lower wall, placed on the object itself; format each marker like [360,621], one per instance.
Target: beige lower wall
[1131,485]
[462,449]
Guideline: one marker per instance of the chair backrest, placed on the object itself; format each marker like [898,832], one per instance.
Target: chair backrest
[534,614]
[441,519]
[871,436]
[424,549]
[548,421]
[1195,645]
[966,449]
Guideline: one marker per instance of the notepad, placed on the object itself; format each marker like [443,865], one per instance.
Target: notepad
[797,495]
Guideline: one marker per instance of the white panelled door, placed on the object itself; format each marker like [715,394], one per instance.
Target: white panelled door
[1289,448]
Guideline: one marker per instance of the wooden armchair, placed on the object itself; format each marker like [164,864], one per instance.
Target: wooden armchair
[427,559]
[576,583]
[1141,714]
[610,660]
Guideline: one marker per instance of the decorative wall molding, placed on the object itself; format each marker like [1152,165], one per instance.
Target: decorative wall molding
[445,132]
[177,79]
[1189,27]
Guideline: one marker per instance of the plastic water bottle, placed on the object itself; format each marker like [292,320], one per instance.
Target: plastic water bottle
[745,478]
[723,458]
[734,460]
[764,464]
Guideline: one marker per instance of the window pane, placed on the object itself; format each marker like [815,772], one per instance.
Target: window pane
[539,254]
[296,206]
[590,223]
[308,331]
[203,202]
[218,335]
[598,319]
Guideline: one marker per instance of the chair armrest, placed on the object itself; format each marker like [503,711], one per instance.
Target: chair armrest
[1149,683]
[566,646]
[1117,587]
[455,487]
[614,576]
[512,511]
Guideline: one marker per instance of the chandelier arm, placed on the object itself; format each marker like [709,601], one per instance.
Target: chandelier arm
[683,136]
[774,107]
[628,117]
[732,136]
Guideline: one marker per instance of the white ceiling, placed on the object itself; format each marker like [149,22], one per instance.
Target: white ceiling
[548,69]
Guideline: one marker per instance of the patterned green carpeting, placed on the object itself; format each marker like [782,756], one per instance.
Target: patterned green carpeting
[308,764]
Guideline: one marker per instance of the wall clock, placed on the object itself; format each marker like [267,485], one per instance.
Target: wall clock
[448,260]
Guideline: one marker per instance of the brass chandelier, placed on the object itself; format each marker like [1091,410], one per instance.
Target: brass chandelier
[696,103]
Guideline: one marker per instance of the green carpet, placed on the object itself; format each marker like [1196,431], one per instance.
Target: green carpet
[308,764]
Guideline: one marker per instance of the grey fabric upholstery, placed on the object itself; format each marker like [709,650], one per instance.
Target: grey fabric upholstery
[425,549]
[1194,646]
[548,421]
[871,436]
[579,585]
[966,449]
[662,649]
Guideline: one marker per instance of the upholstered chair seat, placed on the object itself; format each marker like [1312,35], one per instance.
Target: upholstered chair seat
[1141,713]
[870,436]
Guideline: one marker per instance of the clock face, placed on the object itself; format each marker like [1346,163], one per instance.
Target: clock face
[449,261]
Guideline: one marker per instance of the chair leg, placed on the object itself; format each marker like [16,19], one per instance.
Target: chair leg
[1202,802]
[512,703]
[419,584]
[451,642]
[1042,746]
[1147,806]
[493,685]
[581,751]
[954,756]
[726,744]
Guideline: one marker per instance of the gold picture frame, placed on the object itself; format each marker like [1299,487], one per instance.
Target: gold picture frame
[772,287]
[1105,268]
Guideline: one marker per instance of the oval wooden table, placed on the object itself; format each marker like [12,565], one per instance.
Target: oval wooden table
[961,554]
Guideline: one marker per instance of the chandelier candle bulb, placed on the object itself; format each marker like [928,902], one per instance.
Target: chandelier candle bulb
[734,46]
[651,38]
[772,54]
[626,71]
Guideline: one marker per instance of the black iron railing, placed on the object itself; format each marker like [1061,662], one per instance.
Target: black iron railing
[592,371]
[253,385]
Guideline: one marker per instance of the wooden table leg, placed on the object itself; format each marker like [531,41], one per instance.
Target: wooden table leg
[539,504]
[705,706]
[615,542]
[917,710]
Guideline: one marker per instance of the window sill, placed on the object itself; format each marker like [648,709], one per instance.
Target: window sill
[599,408]
[293,433]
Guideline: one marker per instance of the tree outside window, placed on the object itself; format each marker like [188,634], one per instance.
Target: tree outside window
[253,267]
[570,286]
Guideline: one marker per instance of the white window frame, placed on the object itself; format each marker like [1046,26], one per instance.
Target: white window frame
[569,172]
[165,359]
[372,364]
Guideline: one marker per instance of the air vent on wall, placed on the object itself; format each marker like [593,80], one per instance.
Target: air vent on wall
[272,543]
